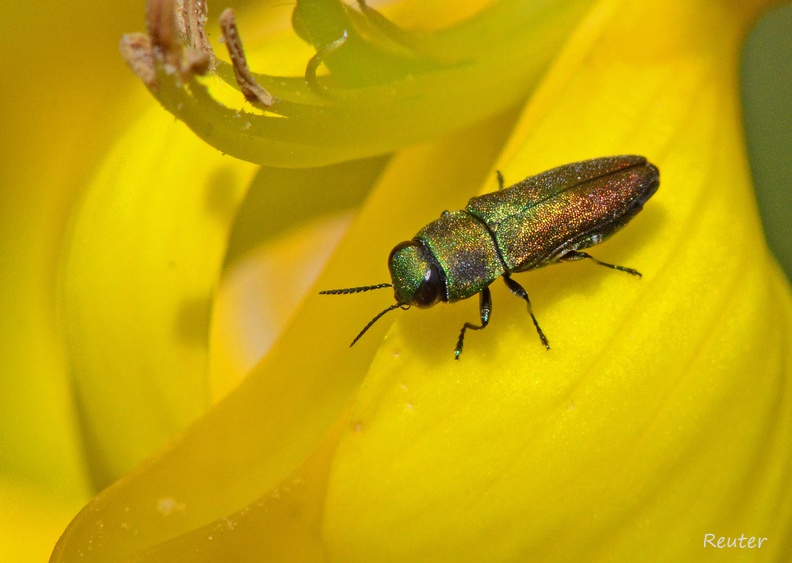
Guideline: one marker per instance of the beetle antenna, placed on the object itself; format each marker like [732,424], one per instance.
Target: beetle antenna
[375,319]
[354,289]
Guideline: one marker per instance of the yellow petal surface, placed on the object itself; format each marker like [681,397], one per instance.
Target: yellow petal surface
[254,439]
[283,235]
[62,81]
[143,259]
[260,293]
[661,413]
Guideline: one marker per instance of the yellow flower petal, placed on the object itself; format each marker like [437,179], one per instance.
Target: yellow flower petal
[251,441]
[260,293]
[143,259]
[31,518]
[61,87]
[660,414]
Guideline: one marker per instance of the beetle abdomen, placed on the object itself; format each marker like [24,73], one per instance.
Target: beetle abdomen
[566,208]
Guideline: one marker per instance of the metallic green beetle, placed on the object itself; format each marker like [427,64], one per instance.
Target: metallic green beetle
[545,219]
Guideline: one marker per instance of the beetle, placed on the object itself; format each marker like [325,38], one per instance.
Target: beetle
[545,219]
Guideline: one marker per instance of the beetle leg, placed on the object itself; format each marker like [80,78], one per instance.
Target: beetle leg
[577,255]
[499,174]
[485,308]
[519,291]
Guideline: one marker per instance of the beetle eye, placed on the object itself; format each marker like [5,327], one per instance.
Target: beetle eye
[430,290]
[417,280]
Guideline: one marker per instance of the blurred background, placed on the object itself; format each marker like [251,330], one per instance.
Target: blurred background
[767,102]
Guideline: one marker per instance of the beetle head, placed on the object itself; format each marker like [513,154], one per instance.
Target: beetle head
[417,279]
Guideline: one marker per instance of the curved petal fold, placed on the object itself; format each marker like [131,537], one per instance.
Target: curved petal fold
[661,414]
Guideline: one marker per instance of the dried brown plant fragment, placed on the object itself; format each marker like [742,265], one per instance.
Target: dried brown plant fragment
[136,51]
[177,43]
[251,89]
